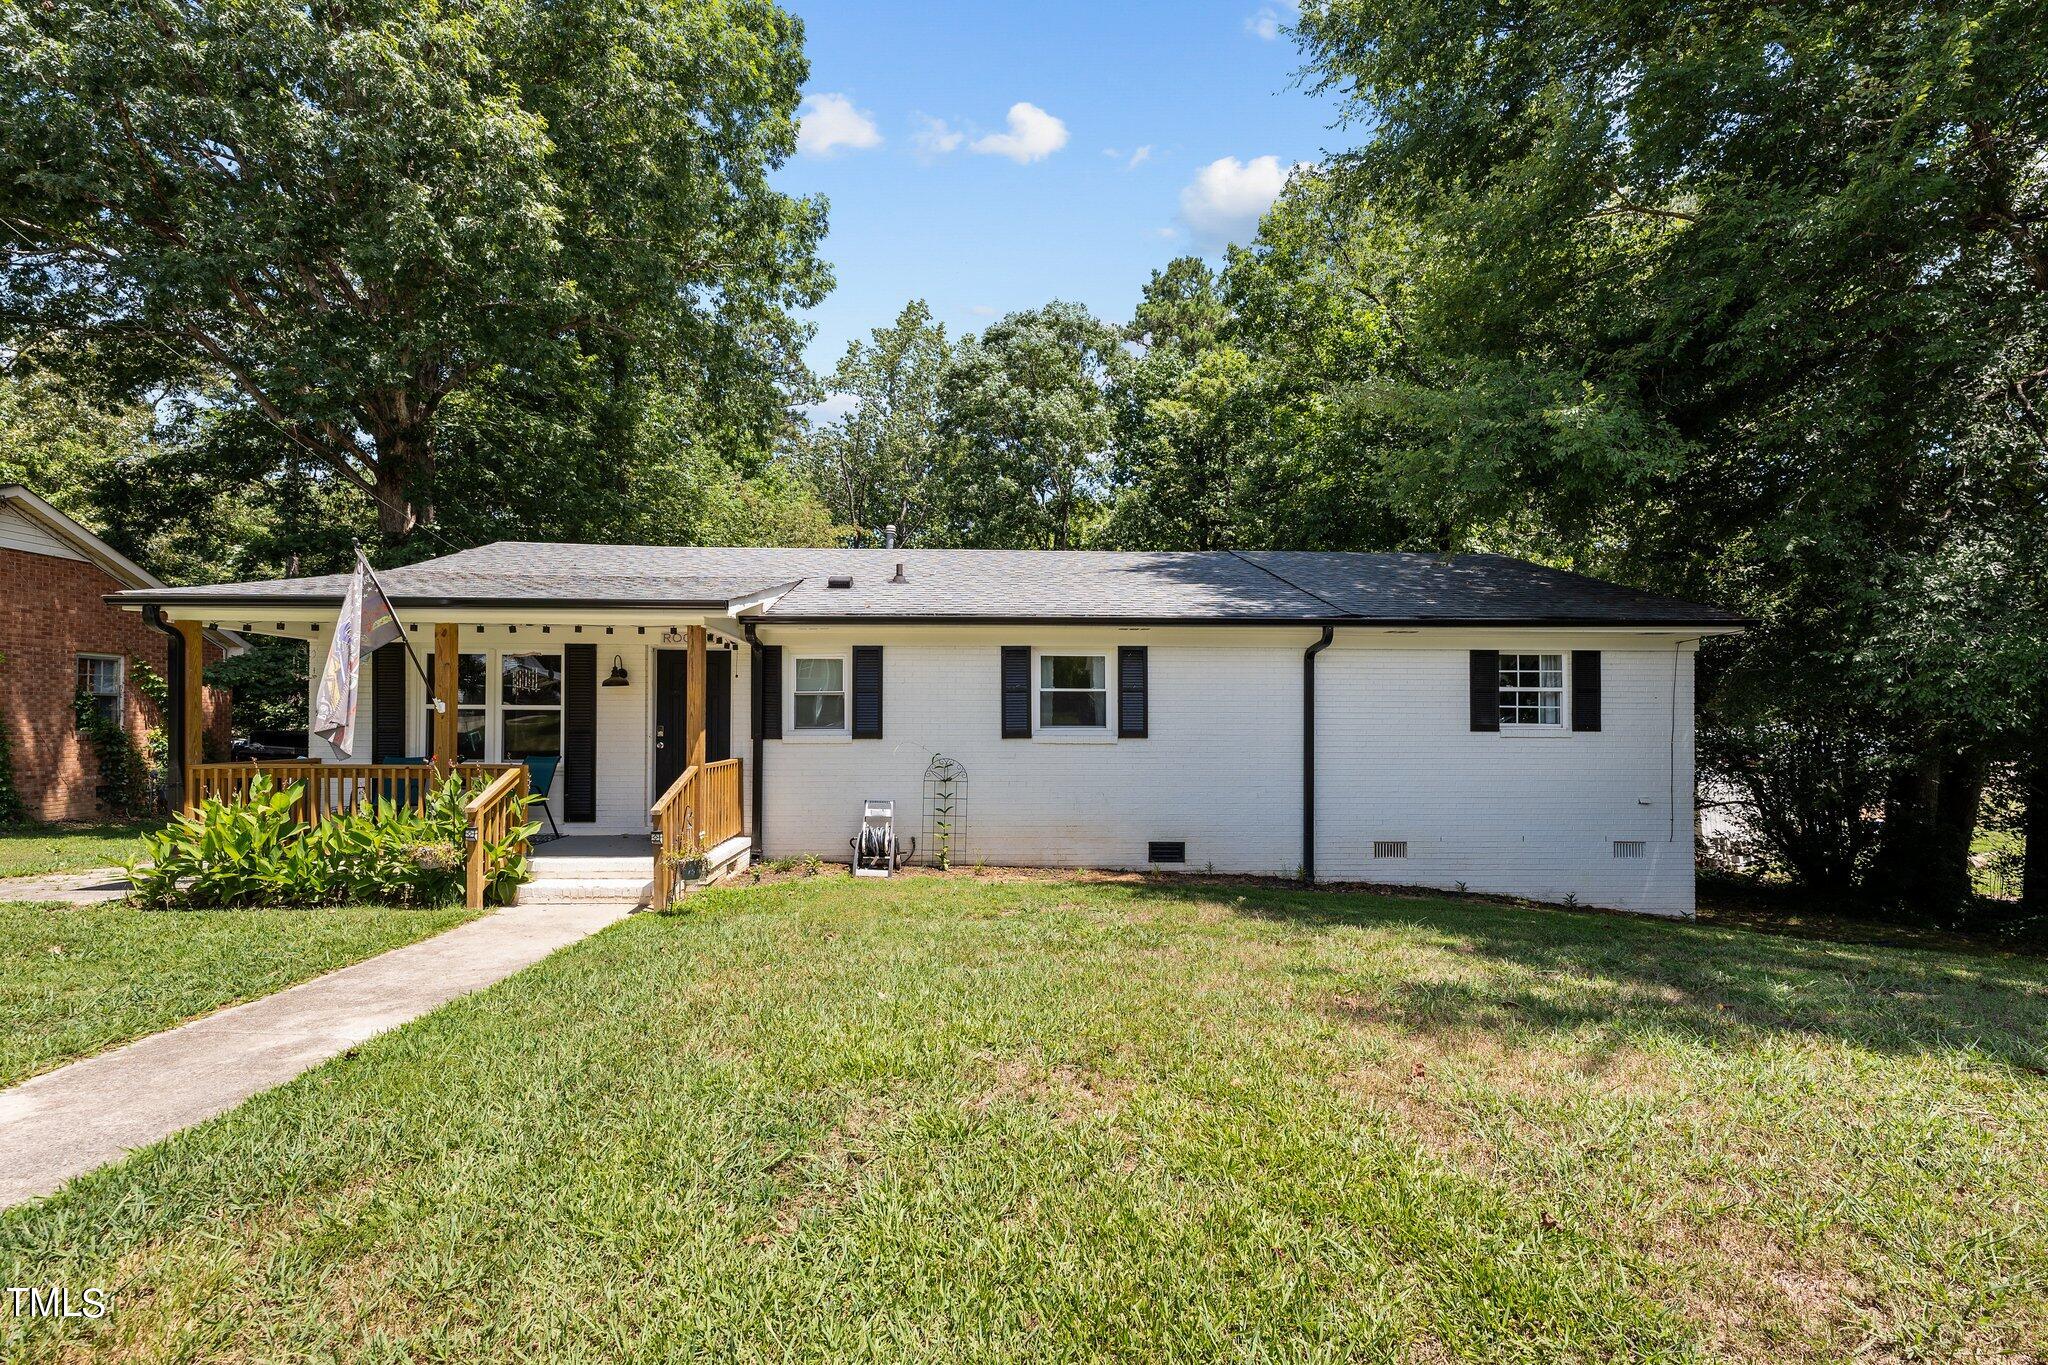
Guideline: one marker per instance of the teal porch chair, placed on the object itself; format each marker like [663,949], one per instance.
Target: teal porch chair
[540,779]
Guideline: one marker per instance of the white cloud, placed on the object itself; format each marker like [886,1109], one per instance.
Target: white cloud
[1139,157]
[1224,200]
[835,406]
[1167,233]
[830,122]
[936,137]
[1268,22]
[1034,135]
[982,310]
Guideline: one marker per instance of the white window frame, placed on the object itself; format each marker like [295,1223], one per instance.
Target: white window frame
[1563,691]
[488,707]
[843,732]
[1104,733]
[120,692]
[496,727]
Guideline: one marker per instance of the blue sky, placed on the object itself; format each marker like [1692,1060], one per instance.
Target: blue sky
[990,157]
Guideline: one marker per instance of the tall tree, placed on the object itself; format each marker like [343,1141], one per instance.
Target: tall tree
[358,214]
[1749,301]
[1188,417]
[876,463]
[1027,404]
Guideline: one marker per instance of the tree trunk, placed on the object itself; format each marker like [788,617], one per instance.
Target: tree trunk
[1909,802]
[404,480]
[1930,819]
[2034,827]
[1948,887]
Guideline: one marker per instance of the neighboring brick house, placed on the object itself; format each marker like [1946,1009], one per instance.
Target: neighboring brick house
[58,634]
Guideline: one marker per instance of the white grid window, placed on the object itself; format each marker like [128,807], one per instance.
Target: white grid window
[530,706]
[100,677]
[820,694]
[472,688]
[1532,689]
[1073,691]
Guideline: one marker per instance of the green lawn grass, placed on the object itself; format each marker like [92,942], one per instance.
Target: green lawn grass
[32,850]
[75,980]
[955,1120]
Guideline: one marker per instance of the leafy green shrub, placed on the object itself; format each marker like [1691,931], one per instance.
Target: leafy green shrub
[254,852]
[124,773]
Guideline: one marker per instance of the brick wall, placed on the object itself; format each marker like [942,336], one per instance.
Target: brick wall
[50,613]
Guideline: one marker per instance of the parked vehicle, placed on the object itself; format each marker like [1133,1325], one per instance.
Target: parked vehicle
[259,745]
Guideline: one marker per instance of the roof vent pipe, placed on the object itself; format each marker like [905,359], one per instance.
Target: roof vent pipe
[889,538]
[899,578]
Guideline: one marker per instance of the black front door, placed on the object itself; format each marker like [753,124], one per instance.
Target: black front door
[671,687]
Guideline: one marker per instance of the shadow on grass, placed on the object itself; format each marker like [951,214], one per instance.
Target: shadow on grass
[1607,978]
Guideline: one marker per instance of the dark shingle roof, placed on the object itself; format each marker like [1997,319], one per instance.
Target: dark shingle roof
[967,585]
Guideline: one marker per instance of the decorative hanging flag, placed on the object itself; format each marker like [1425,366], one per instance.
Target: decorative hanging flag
[366,622]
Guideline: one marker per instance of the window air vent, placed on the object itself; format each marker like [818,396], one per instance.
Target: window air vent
[1390,848]
[839,582]
[1628,848]
[1166,851]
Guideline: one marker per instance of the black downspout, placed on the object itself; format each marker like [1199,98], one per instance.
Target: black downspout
[1308,754]
[174,723]
[754,680]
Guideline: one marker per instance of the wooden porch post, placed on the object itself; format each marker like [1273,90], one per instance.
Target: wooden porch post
[447,648]
[191,704]
[694,687]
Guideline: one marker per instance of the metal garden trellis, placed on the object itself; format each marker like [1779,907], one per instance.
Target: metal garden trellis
[945,809]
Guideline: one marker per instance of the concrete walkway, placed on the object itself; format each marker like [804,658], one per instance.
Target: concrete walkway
[71,888]
[68,1121]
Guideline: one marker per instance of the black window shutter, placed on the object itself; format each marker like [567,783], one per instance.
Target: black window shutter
[1585,689]
[387,702]
[1486,689]
[768,692]
[867,691]
[1133,686]
[717,705]
[579,732]
[1016,691]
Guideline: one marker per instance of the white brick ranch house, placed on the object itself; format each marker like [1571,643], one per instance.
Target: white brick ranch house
[1475,721]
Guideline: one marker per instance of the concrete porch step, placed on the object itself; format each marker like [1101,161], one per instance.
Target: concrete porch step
[602,868]
[549,890]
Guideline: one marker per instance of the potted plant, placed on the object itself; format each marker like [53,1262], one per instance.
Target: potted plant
[689,860]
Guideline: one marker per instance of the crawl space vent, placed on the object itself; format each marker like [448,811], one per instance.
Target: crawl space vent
[1166,851]
[1390,848]
[1628,848]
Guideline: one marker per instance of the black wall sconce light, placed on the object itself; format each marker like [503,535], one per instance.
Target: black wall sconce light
[618,673]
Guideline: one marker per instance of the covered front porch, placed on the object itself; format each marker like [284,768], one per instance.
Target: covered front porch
[624,725]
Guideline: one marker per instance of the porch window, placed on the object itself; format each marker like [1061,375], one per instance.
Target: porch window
[472,672]
[531,715]
[820,694]
[1073,691]
[99,677]
[1531,689]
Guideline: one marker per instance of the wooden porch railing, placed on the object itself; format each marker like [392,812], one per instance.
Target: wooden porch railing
[492,814]
[335,788]
[701,810]
[331,788]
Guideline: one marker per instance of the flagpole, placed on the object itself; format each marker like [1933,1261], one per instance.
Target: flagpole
[404,637]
